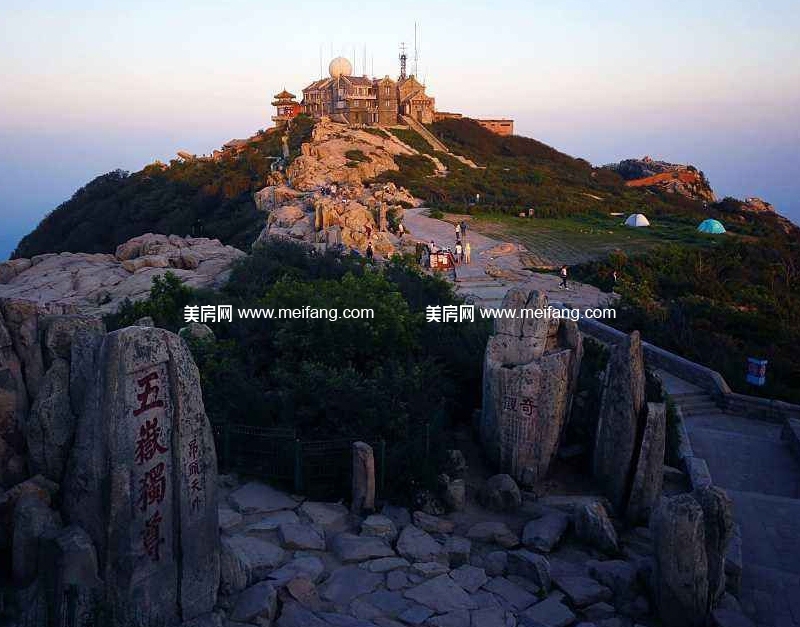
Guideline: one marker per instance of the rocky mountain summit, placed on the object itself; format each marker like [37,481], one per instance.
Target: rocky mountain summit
[98,283]
[684,180]
[327,196]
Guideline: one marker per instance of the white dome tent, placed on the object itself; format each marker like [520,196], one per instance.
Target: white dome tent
[637,219]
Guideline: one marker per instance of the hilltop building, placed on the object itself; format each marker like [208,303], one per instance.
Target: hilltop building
[500,126]
[361,100]
[287,107]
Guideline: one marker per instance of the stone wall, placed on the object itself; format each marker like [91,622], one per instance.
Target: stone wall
[709,380]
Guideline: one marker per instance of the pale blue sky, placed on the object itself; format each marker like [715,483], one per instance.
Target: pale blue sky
[86,87]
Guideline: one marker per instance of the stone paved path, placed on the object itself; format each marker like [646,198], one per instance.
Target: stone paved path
[749,460]
[497,267]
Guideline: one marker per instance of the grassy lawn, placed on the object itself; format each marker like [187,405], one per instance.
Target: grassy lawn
[581,238]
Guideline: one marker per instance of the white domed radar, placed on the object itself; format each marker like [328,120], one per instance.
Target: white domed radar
[340,67]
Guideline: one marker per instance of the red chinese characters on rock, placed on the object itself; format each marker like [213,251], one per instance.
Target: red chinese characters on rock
[149,442]
[525,407]
[152,487]
[151,536]
[148,391]
[195,476]
[148,448]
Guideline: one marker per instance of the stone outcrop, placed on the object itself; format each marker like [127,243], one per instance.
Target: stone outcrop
[529,376]
[51,425]
[501,493]
[648,477]
[622,402]
[363,497]
[718,527]
[342,215]
[673,178]
[13,409]
[681,565]
[328,198]
[141,477]
[98,283]
[594,527]
[325,160]
[33,518]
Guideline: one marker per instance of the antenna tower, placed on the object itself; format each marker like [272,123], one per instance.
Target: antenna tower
[403,59]
[416,52]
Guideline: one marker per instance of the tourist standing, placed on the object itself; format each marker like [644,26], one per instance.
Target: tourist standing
[400,230]
[458,231]
[563,273]
[370,252]
[459,252]
[467,253]
[432,247]
[464,229]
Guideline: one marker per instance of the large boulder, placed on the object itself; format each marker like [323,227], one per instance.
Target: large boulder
[543,533]
[13,405]
[33,519]
[246,560]
[529,376]
[51,425]
[594,527]
[501,493]
[68,566]
[681,565]
[718,530]
[60,332]
[99,283]
[648,478]
[142,477]
[417,546]
[621,405]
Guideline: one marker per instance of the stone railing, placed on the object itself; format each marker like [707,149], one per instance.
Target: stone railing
[709,380]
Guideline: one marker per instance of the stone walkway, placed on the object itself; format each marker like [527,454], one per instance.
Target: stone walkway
[749,460]
[294,563]
[497,267]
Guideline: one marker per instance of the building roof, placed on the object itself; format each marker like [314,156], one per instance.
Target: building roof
[318,84]
[361,81]
[284,95]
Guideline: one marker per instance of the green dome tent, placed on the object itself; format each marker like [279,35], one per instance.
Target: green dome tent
[711,226]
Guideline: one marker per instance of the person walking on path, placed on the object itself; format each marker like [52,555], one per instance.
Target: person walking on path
[458,231]
[467,253]
[459,252]
[400,230]
[464,229]
[370,252]
[563,273]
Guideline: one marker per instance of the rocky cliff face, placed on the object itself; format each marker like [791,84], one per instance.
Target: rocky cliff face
[98,283]
[684,180]
[326,197]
